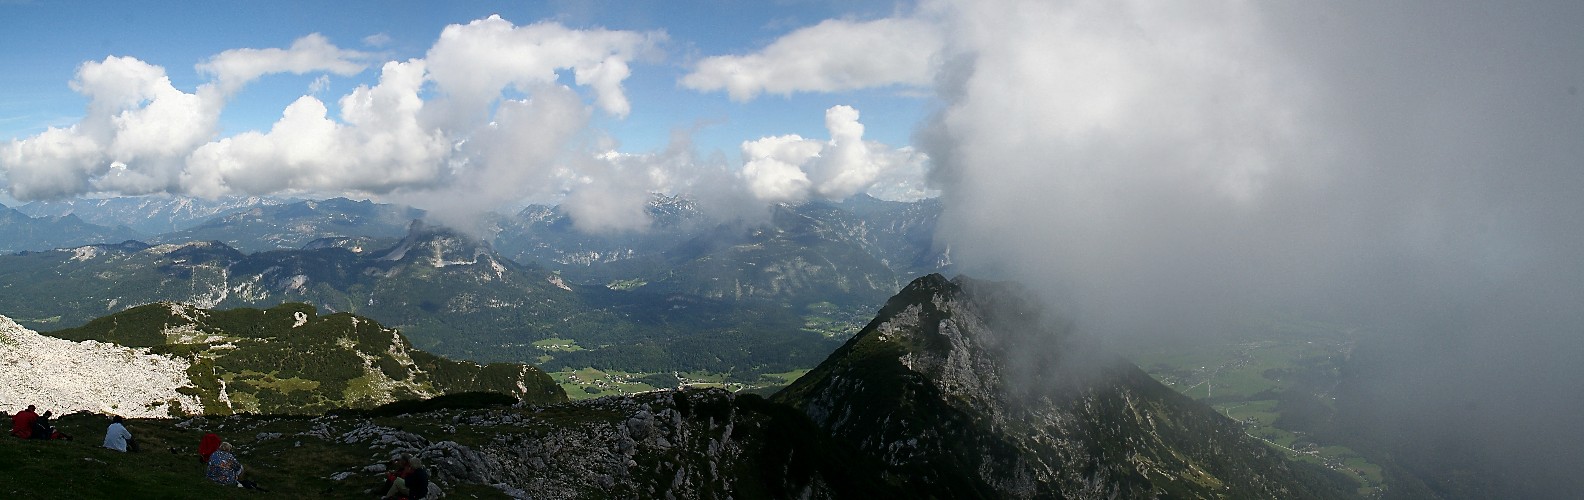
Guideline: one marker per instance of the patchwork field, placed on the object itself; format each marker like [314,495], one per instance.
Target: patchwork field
[589,382]
[1265,379]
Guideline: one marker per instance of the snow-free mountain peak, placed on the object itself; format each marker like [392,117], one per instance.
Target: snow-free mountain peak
[965,385]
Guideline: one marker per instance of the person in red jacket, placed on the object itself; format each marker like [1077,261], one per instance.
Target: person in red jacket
[207,446]
[22,423]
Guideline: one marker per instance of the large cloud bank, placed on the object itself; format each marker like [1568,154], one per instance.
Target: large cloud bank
[484,120]
[1166,169]
[1166,165]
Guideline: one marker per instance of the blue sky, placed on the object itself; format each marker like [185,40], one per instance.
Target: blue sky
[45,41]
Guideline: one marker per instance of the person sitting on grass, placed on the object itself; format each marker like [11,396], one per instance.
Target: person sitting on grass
[224,467]
[22,423]
[207,446]
[407,480]
[118,438]
[43,430]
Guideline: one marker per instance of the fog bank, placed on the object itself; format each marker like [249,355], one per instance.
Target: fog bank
[1411,168]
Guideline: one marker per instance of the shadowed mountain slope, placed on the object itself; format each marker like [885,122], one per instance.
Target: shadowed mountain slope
[963,385]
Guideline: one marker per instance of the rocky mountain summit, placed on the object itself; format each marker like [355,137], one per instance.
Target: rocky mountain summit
[964,385]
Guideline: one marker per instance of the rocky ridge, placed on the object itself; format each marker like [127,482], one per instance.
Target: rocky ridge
[966,386]
[704,443]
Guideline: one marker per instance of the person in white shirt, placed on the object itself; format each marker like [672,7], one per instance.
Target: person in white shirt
[117,437]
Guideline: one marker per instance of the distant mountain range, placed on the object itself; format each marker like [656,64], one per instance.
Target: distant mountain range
[448,292]
[148,215]
[45,225]
[20,232]
[853,253]
[678,296]
[290,226]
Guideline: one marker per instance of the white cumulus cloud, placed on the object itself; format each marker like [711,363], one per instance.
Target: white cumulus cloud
[790,168]
[313,53]
[137,130]
[473,63]
[492,116]
[483,120]
[773,167]
[833,55]
[377,145]
[57,162]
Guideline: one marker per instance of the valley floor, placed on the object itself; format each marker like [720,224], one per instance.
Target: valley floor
[1265,384]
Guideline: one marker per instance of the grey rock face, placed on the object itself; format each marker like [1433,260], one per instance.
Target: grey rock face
[452,462]
[681,444]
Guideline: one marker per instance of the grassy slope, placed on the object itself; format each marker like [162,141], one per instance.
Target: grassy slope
[83,469]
